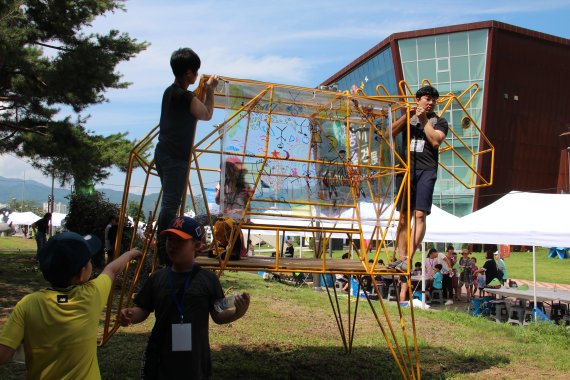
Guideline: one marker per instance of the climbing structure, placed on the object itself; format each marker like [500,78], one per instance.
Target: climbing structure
[297,161]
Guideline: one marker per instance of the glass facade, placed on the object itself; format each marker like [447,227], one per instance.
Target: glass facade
[451,62]
[377,70]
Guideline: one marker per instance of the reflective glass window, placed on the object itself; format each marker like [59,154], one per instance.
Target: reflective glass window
[442,46]
[458,44]
[411,72]
[459,69]
[408,50]
[426,70]
[426,48]
[478,41]
[477,67]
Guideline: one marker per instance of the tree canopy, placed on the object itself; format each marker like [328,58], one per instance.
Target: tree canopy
[49,61]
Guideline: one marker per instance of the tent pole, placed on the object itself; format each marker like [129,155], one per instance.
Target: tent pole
[534,279]
[423,275]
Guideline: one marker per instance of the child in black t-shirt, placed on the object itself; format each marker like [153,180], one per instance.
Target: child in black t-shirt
[183,297]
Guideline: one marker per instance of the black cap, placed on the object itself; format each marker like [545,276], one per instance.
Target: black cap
[65,254]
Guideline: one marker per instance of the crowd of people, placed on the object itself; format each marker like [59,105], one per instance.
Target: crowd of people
[458,275]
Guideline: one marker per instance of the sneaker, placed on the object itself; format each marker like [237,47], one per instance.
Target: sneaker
[404,304]
[448,302]
[394,264]
[397,263]
[403,266]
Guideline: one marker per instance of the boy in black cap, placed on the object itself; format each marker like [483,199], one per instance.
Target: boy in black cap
[58,325]
[182,297]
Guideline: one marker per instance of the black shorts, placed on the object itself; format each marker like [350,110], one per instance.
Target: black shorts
[422,185]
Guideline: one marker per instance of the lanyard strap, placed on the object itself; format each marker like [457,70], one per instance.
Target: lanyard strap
[179,301]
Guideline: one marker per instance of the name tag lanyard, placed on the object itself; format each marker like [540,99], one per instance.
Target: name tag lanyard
[179,301]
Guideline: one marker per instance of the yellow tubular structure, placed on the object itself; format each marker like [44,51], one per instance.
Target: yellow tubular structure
[316,163]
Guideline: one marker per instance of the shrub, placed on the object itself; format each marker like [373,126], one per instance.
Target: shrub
[89,214]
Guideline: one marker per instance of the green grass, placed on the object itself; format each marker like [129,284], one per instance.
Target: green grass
[290,333]
[17,243]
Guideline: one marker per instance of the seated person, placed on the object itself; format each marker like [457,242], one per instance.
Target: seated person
[344,279]
[223,229]
[417,269]
[437,277]
[236,191]
[234,195]
[290,250]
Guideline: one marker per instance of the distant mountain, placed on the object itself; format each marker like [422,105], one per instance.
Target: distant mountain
[29,190]
[34,191]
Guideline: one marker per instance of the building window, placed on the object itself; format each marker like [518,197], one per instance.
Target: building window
[451,62]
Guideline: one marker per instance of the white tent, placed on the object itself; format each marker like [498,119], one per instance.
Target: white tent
[57,218]
[23,218]
[517,218]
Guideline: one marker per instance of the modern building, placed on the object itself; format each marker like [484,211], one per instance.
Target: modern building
[524,77]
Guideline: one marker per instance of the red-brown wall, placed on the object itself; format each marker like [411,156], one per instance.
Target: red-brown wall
[525,132]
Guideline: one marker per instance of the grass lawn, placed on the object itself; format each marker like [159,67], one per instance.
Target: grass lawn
[290,333]
[17,243]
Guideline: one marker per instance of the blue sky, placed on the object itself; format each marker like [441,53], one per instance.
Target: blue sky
[291,42]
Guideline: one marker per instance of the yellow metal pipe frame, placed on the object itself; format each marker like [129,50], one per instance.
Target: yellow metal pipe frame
[352,110]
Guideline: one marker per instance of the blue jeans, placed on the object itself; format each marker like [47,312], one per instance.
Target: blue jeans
[40,241]
[172,173]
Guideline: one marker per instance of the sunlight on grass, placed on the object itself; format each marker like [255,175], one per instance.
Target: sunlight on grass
[291,333]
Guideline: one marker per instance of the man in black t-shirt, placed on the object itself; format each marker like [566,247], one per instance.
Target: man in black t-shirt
[179,115]
[427,133]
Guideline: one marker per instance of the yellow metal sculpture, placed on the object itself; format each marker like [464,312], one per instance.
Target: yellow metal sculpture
[291,160]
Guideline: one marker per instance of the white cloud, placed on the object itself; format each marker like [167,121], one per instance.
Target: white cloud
[15,167]
[290,41]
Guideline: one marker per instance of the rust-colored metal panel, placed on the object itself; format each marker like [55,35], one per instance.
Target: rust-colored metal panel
[564,172]
[527,94]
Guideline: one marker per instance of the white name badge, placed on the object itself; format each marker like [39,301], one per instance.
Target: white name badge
[182,337]
[417,145]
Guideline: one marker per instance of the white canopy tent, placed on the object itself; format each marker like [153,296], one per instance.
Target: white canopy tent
[518,218]
[23,218]
[57,219]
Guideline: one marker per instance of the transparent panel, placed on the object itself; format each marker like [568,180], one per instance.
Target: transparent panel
[458,44]
[411,73]
[459,69]
[443,76]
[477,102]
[478,41]
[443,88]
[426,70]
[408,50]
[295,147]
[457,115]
[458,88]
[443,64]
[477,67]
[442,46]
[426,48]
